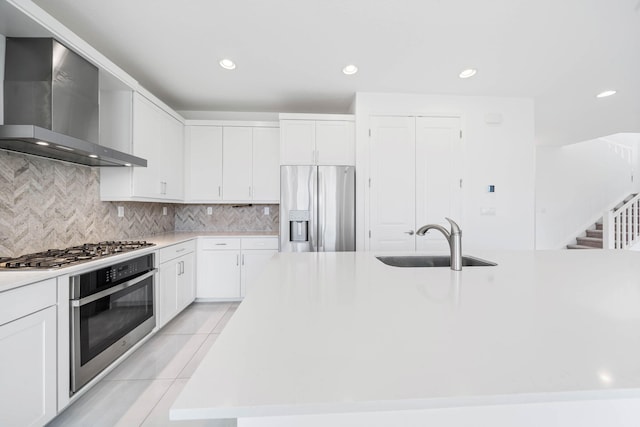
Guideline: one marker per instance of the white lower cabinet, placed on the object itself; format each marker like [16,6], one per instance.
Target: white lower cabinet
[28,358]
[176,287]
[228,266]
[252,263]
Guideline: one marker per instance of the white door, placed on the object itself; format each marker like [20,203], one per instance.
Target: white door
[392,193]
[218,274]
[204,164]
[252,264]
[186,284]
[147,137]
[167,303]
[438,175]
[297,142]
[266,164]
[335,143]
[172,154]
[28,369]
[236,161]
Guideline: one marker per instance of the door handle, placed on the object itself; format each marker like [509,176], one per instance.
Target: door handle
[410,232]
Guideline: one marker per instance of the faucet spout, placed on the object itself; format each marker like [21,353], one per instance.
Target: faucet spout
[454,238]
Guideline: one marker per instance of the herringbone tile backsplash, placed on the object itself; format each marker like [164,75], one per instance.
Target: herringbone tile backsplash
[227,218]
[47,204]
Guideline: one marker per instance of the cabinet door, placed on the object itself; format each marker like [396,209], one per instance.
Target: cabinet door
[438,174]
[172,153]
[236,161]
[167,302]
[28,369]
[297,142]
[147,136]
[204,163]
[218,274]
[266,166]
[186,284]
[392,194]
[335,143]
[253,262]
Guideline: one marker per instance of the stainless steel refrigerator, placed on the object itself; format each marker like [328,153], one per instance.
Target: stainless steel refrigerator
[317,208]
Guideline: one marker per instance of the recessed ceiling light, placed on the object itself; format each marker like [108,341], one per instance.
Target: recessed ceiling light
[44,144]
[127,164]
[93,156]
[469,72]
[350,69]
[605,93]
[227,64]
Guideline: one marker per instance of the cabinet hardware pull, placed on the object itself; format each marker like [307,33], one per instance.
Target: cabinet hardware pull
[219,191]
[237,259]
[410,232]
[180,250]
[242,259]
[221,244]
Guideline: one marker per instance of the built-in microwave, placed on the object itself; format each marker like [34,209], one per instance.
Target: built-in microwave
[111,309]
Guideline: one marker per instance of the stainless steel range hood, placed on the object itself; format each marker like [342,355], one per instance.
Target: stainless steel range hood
[51,105]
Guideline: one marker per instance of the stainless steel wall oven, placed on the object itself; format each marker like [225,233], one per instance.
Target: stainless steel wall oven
[112,308]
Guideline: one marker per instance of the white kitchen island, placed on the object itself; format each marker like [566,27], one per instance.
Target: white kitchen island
[339,339]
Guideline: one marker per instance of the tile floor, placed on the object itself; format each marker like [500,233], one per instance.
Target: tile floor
[140,391]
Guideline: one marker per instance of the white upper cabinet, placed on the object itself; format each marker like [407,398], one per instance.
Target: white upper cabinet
[266,169]
[318,140]
[237,162]
[297,142]
[335,143]
[157,137]
[204,163]
[232,163]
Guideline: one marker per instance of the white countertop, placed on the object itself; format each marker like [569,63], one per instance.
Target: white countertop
[14,279]
[342,332]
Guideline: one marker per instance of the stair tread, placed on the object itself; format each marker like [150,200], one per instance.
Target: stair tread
[580,247]
[590,239]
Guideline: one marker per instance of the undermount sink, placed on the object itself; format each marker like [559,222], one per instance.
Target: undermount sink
[432,261]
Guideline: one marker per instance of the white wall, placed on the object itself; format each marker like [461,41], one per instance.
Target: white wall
[576,183]
[499,154]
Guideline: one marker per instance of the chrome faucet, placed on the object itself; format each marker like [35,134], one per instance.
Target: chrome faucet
[454,237]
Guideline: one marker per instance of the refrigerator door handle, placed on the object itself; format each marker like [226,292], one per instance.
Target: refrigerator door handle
[313,225]
[321,212]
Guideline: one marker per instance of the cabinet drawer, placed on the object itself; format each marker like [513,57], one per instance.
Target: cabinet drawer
[174,251]
[260,243]
[220,243]
[27,299]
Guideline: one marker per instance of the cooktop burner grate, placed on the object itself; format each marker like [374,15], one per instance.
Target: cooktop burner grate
[57,258]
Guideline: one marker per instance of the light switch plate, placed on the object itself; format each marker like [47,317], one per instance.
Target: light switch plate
[120,211]
[209,210]
[266,210]
[164,210]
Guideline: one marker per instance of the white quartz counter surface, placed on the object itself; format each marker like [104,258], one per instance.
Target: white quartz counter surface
[342,332]
[14,279]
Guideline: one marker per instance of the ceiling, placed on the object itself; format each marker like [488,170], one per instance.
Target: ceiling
[290,53]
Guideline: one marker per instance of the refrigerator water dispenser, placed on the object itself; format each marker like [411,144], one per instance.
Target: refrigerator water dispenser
[299,226]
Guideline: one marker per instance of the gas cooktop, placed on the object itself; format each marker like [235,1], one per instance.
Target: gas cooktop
[57,258]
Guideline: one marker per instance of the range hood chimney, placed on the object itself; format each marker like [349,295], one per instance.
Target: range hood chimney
[51,105]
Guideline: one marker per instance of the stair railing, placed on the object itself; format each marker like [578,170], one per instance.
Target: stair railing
[621,227]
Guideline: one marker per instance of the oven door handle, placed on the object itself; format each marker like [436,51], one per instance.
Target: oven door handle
[113,290]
